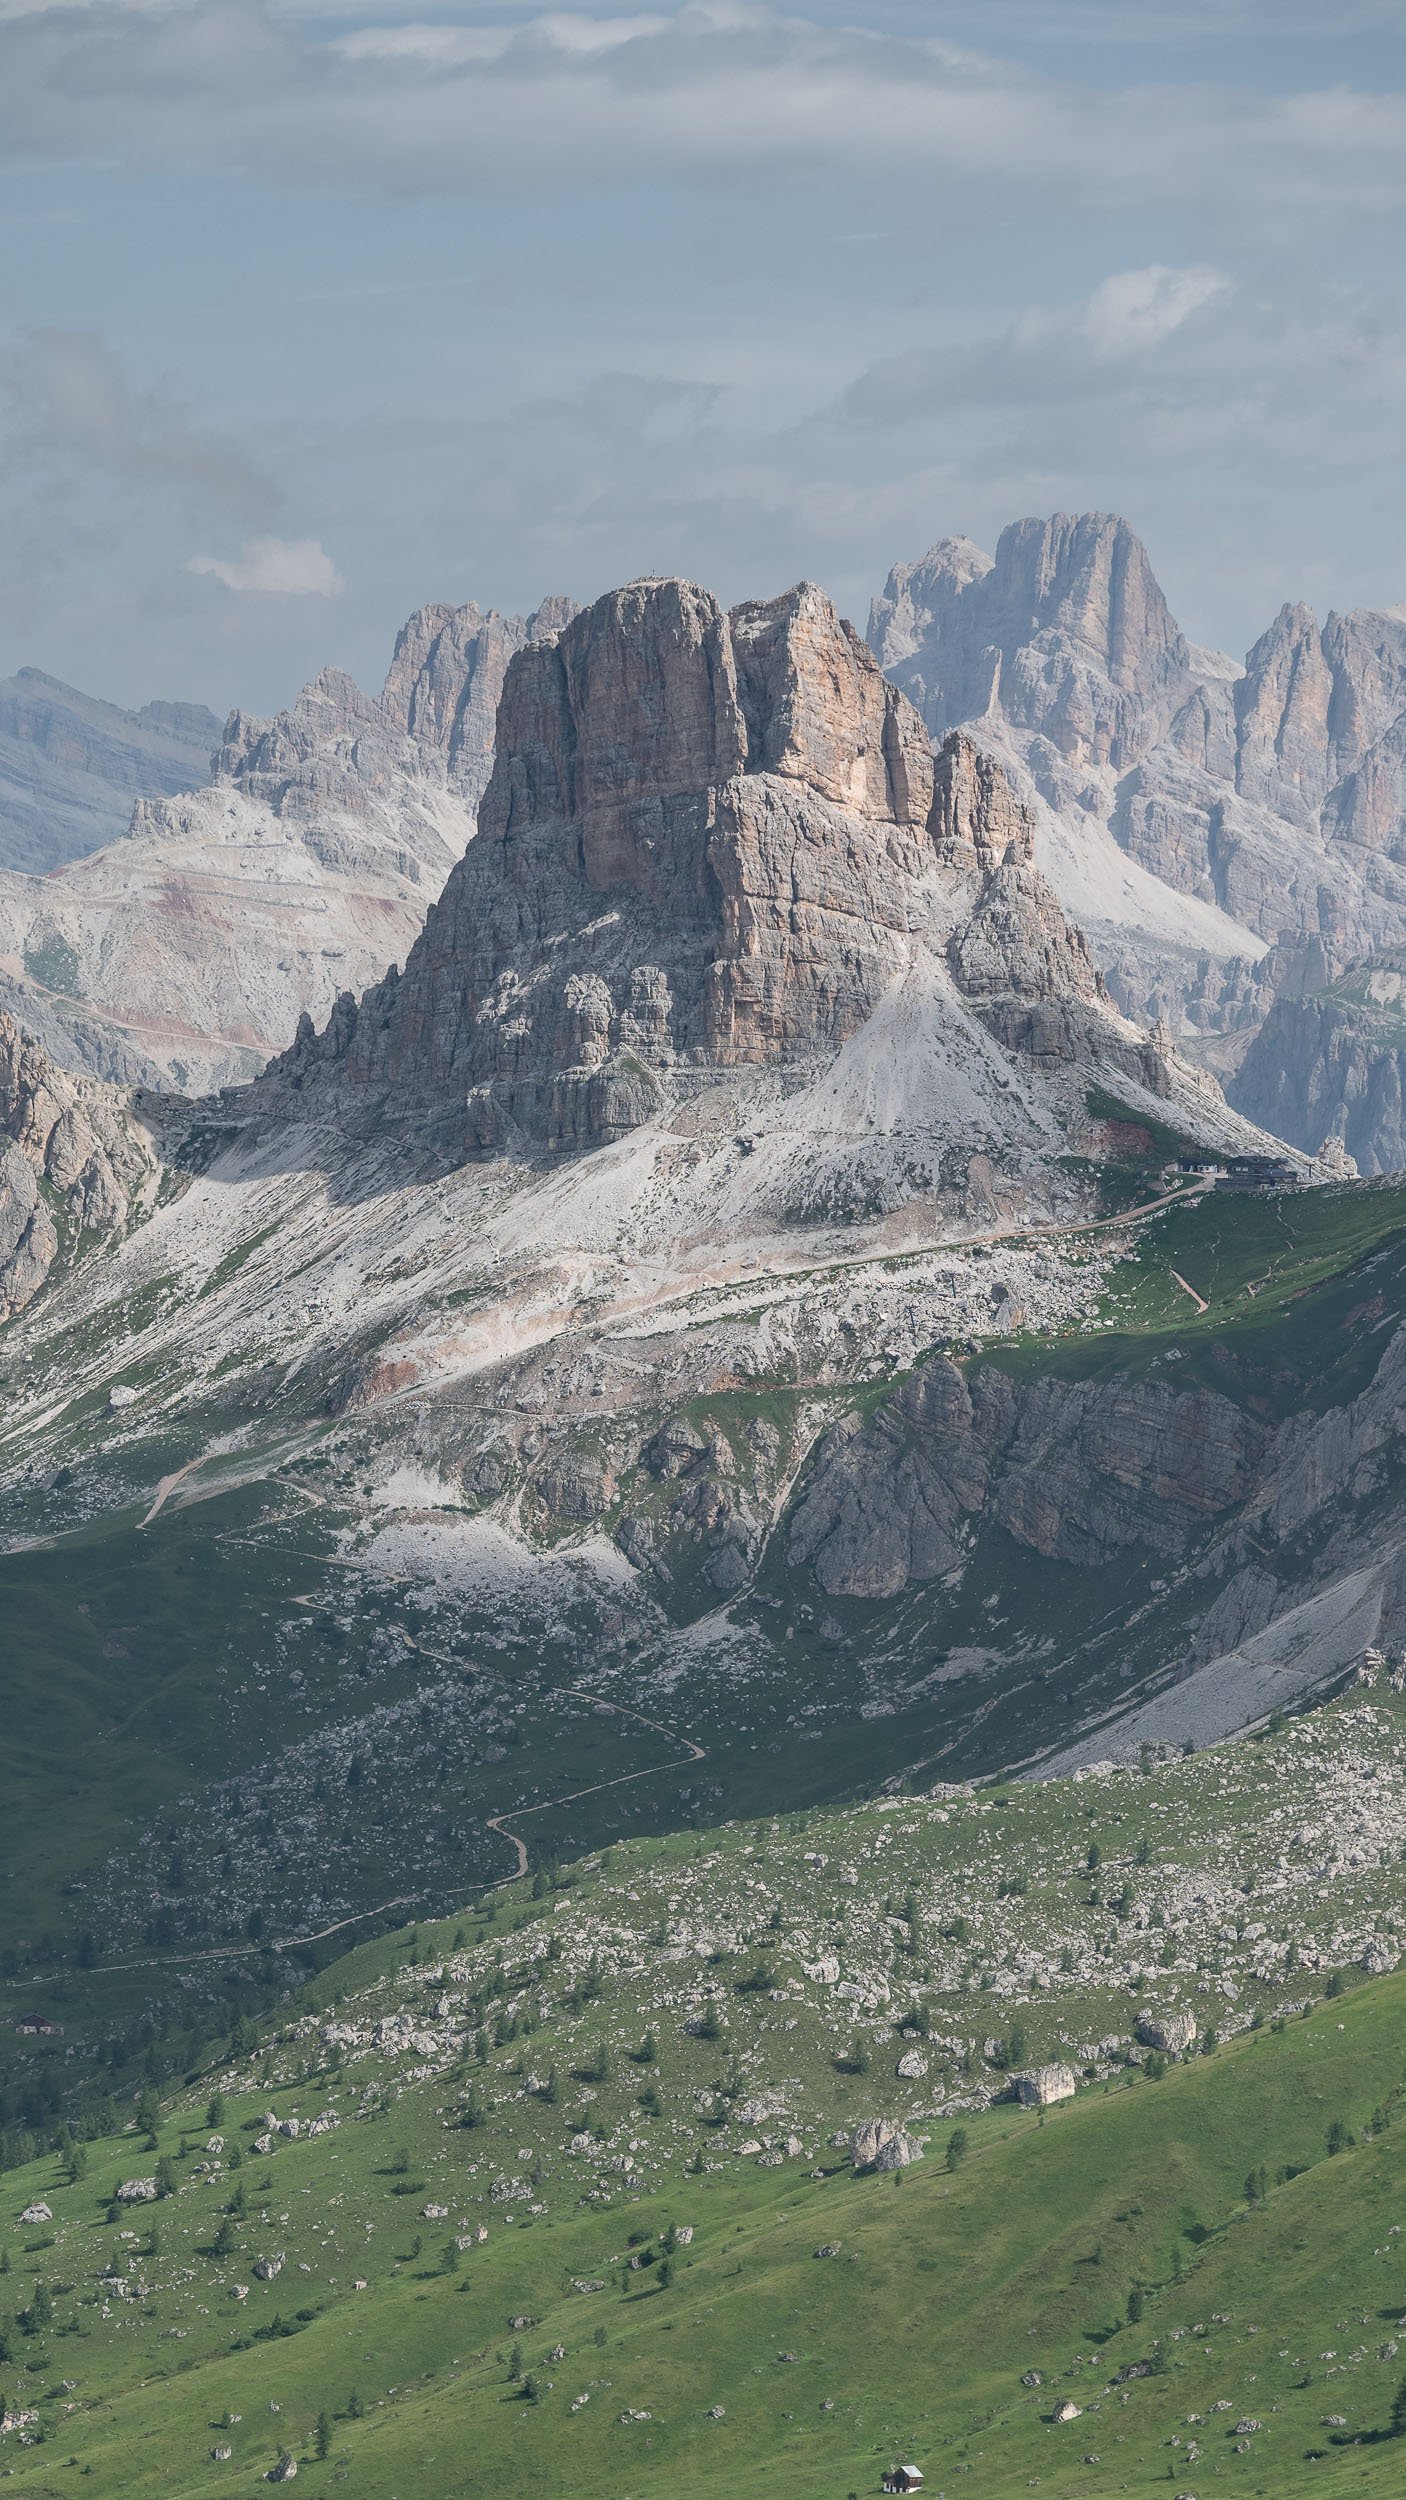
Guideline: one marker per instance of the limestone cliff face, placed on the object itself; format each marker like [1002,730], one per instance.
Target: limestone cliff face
[710,841]
[1072,1470]
[1065,633]
[1331,1065]
[73,1162]
[446,679]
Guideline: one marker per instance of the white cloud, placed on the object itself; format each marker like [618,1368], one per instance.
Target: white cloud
[1141,307]
[712,87]
[285,567]
[1122,329]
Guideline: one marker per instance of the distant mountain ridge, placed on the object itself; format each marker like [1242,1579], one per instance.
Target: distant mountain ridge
[1272,796]
[302,861]
[71,766]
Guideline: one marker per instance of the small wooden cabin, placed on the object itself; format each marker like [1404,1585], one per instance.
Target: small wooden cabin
[904,2478]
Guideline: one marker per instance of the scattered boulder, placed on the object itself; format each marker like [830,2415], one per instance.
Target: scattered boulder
[38,2213]
[1044,2084]
[267,2267]
[912,2066]
[1173,2033]
[284,2471]
[1068,2411]
[137,2192]
[879,2144]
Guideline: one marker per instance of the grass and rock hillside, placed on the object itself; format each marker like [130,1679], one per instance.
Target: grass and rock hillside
[561,2192]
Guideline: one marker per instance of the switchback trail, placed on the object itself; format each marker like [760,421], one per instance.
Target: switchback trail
[499,1822]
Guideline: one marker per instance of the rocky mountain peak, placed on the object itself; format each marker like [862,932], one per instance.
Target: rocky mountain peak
[1065,632]
[446,677]
[1087,576]
[711,840]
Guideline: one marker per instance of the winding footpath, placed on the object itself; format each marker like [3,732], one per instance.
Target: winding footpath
[499,1822]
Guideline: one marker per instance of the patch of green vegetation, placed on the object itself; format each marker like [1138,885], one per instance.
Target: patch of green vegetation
[1300,1287]
[54,965]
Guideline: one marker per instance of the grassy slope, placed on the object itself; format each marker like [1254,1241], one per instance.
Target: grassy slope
[947,2288]
[1292,1283]
[946,2291]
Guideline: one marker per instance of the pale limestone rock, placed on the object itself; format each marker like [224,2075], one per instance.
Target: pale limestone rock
[1174,2033]
[880,2144]
[1043,2085]
[185,954]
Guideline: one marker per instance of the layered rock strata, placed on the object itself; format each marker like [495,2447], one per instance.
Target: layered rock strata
[710,842]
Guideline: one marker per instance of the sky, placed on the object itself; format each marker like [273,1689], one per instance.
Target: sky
[311,313]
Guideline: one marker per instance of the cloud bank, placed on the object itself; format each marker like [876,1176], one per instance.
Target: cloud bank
[287,568]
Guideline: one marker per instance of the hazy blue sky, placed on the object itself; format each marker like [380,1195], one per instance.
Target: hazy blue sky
[309,314]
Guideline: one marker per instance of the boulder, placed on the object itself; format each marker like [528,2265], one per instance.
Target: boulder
[1174,2033]
[1044,2084]
[879,2144]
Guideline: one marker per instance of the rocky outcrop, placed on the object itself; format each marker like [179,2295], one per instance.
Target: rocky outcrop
[73,1165]
[1044,2085]
[880,2144]
[1172,2033]
[446,679]
[71,766]
[711,841]
[1329,1066]
[305,866]
[1074,1471]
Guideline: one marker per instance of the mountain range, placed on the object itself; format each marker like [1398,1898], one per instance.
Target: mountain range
[1270,795]
[183,955]
[1228,837]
